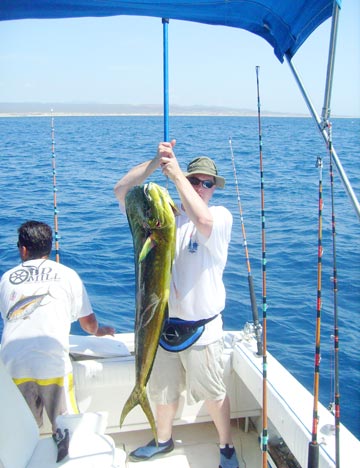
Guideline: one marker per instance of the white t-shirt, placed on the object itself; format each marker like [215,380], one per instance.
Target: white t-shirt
[197,290]
[39,299]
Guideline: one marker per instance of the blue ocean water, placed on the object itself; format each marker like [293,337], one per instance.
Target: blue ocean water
[92,153]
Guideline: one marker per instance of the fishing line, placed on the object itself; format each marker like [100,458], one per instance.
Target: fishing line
[313,456]
[257,326]
[264,439]
[335,290]
[53,159]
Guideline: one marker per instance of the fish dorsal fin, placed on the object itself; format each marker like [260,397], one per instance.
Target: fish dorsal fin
[149,244]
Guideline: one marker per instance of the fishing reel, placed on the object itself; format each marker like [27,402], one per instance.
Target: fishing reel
[251,330]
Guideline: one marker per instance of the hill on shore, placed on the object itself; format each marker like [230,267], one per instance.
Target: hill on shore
[40,108]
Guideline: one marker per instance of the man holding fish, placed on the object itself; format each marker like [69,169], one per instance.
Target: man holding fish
[191,343]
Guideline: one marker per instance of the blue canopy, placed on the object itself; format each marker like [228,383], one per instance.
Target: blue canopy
[284,24]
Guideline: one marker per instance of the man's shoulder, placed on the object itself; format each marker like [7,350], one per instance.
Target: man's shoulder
[61,266]
[220,210]
[9,271]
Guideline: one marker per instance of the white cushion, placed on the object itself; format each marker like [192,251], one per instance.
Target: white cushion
[17,424]
[93,451]
[21,446]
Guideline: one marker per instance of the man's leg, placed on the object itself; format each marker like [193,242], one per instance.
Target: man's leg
[165,416]
[219,411]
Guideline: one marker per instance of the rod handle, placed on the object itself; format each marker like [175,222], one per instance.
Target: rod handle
[313,458]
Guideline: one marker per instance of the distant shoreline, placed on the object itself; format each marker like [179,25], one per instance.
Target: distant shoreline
[65,114]
[123,110]
[74,114]
[89,109]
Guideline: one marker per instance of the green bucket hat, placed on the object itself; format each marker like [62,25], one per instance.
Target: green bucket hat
[205,165]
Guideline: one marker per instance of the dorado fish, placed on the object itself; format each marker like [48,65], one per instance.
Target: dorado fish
[151,215]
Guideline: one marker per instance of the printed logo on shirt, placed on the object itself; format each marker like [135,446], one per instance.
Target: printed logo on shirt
[193,246]
[33,275]
[25,307]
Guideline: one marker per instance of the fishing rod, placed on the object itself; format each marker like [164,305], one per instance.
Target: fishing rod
[257,326]
[335,290]
[53,159]
[264,439]
[165,22]
[313,455]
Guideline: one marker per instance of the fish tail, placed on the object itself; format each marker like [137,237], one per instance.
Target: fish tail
[139,397]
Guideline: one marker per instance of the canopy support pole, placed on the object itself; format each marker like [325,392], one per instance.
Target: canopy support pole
[165,23]
[331,63]
[319,122]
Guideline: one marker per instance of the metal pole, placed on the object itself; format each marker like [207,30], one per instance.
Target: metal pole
[331,63]
[165,23]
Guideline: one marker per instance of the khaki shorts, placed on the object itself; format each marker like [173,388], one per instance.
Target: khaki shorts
[198,369]
[56,395]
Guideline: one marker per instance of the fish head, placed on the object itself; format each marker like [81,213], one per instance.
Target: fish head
[150,211]
[150,206]
[160,207]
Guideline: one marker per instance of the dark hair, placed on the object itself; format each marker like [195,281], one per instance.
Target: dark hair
[36,237]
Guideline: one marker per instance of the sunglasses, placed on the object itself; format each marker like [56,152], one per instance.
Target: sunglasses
[208,184]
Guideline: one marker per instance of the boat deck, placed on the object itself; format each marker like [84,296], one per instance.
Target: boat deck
[196,446]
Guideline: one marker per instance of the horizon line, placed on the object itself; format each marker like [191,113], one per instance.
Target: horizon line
[36,108]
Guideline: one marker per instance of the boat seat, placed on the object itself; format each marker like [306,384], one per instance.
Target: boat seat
[22,447]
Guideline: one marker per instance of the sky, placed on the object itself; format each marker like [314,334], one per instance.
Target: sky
[119,60]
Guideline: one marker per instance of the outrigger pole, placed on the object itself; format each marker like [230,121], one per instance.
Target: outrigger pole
[53,159]
[165,23]
[255,315]
[321,123]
